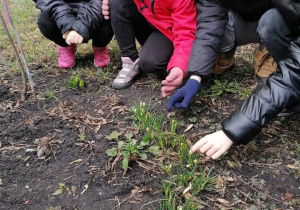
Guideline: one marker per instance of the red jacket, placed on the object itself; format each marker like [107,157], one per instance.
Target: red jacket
[177,20]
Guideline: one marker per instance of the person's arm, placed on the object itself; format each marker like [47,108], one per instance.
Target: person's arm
[211,23]
[58,11]
[280,90]
[89,17]
[184,26]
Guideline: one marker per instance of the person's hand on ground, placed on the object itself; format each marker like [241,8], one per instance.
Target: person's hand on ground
[172,81]
[183,96]
[74,38]
[105,9]
[213,145]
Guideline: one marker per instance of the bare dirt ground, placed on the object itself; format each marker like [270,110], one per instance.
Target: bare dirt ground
[70,128]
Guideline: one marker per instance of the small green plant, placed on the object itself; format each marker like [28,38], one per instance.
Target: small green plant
[76,82]
[49,93]
[61,187]
[82,136]
[130,149]
[229,87]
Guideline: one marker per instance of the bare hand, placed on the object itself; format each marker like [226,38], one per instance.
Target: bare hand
[74,38]
[172,81]
[213,145]
[105,9]
[65,35]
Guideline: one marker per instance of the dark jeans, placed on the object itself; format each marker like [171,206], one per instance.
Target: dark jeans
[275,34]
[270,30]
[101,37]
[128,24]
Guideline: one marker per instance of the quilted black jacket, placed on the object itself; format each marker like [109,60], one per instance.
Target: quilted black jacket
[281,90]
[82,16]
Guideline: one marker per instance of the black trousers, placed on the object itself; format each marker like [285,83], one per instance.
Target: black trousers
[128,24]
[101,37]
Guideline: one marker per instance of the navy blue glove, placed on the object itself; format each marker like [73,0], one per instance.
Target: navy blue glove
[184,95]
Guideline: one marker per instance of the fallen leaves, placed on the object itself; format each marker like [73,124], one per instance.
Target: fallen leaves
[68,114]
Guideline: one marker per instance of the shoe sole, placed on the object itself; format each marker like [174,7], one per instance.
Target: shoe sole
[101,65]
[67,67]
[120,86]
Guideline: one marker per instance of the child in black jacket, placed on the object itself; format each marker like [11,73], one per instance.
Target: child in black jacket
[69,23]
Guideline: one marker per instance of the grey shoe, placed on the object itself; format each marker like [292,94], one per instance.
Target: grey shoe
[130,70]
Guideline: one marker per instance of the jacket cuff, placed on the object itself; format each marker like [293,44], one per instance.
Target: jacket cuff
[239,128]
[80,28]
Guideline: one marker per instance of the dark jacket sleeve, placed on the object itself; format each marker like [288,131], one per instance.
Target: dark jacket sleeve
[290,11]
[89,16]
[280,90]
[58,11]
[211,23]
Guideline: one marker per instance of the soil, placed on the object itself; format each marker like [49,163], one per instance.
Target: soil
[72,126]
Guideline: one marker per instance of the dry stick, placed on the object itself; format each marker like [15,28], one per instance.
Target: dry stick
[8,69]
[24,90]
[20,47]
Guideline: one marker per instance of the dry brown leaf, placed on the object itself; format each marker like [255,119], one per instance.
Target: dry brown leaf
[10,148]
[229,163]
[187,189]
[76,161]
[293,167]
[135,190]
[73,189]
[238,163]
[229,179]
[223,201]
[219,183]
[86,186]
[288,197]
[188,128]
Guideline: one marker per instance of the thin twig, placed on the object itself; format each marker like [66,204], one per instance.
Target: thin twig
[126,199]
[24,90]
[20,47]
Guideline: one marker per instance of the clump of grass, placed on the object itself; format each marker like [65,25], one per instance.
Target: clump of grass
[185,177]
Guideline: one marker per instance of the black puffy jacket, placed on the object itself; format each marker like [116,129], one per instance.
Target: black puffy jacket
[281,90]
[83,16]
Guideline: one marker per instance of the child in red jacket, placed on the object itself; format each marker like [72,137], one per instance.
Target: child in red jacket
[69,23]
[165,29]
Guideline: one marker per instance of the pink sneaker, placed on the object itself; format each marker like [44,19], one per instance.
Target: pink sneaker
[66,56]
[101,56]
